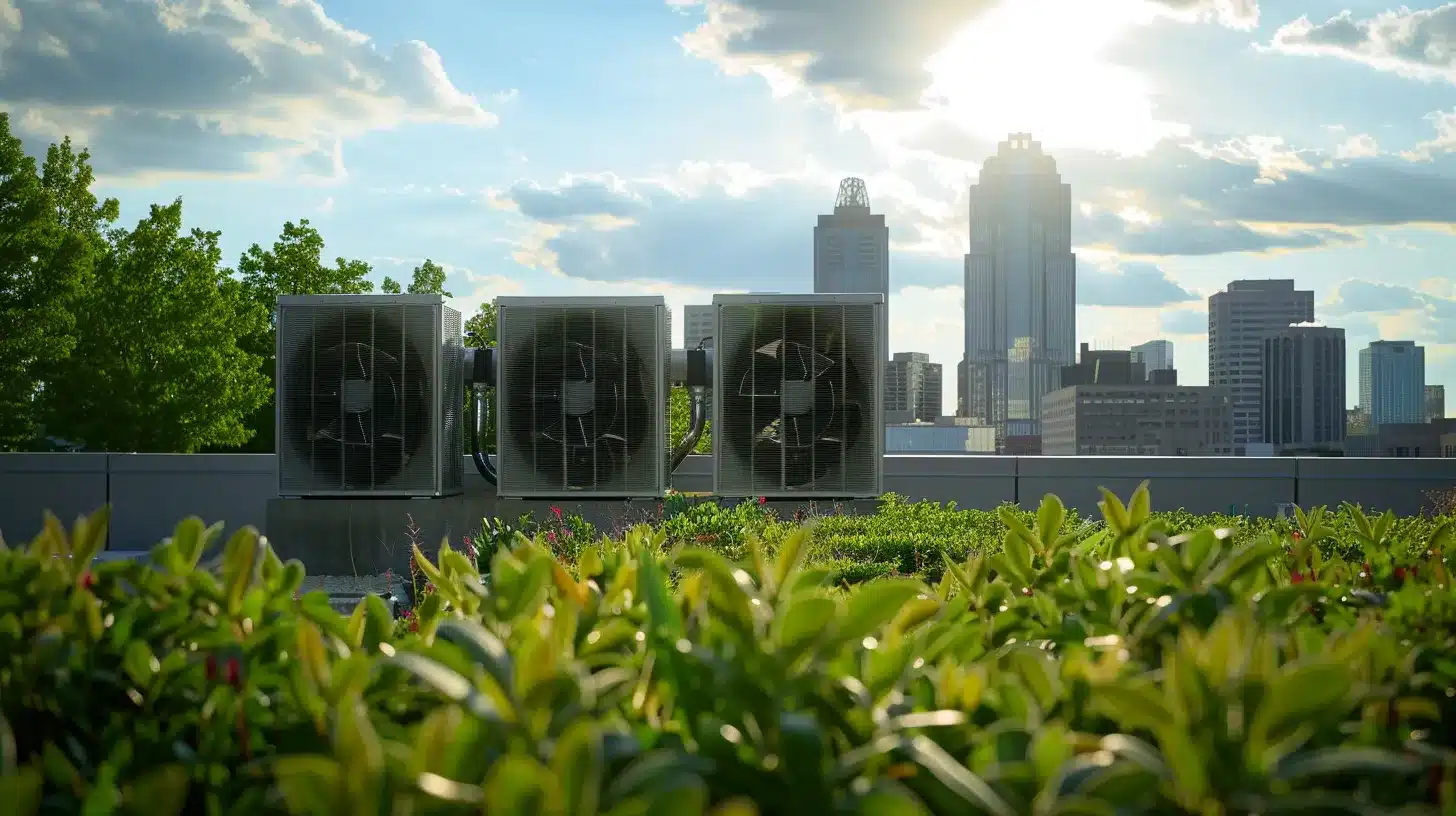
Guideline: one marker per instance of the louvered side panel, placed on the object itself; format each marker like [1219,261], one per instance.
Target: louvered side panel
[452,464]
[419,347]
[735,338]
[861,331]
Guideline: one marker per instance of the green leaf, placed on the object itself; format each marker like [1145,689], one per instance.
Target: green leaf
[1354,762]
[1049,519]
[310,784]
[361,755]
[161,792]
[487,650]
[139,663]
[20,790]
[580,765]
[1140,509]
[1017,555]
[801,624]
[88,536]
[891,799]
[791,554]
[446,682]
[1310,694]
[1134,707]
[521,786]
[960,780]
[238,561]
[1114,512]
[873,605]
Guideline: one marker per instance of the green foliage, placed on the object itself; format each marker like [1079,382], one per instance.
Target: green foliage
[51,225]
[158,367]
[427,279]
[1072,668]
[293,266]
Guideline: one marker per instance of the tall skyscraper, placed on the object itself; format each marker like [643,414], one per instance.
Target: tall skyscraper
[1435,402]
[1155,355]
[1303,389]
[1020,285]
[1393,382]
[913,387]
[697,326]
[852,246]
[1239,318]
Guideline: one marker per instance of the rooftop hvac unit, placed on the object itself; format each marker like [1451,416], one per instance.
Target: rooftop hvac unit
[370,390]
[797,397]
[582,394]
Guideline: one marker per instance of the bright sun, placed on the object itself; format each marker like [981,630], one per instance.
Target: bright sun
[1040,66]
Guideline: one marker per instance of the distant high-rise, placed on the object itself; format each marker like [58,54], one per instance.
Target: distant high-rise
[1435,402]
[1020,286]
[1303,389]
[1155,355]
[852,246]
[697,326]
[913,387]
[1239,318]
[1393,382]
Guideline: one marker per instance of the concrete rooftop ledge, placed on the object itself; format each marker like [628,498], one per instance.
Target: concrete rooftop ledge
[150,493]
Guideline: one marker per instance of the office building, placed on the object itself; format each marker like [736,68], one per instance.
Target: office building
[1303,389]
[1020,287]
[1155,355]
[1435,402]
[1104,367]
[852,246]
[1239,318]
[939,437]
[1138,420]
[1393,383]
[913,387]
[697,326]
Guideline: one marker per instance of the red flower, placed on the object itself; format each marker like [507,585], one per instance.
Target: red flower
[557,511]
[211,668]
[763,499]
[1400,573]
[1296,577]
[466,539]
[1297,535]
[234,673]
[87,580]
[551,536]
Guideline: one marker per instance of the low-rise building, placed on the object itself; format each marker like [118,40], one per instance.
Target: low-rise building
[1138,420]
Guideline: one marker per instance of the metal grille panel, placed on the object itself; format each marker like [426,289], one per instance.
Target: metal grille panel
[582,397]
[798,396]
[367,389]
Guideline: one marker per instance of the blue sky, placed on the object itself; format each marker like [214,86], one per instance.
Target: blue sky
[684,147]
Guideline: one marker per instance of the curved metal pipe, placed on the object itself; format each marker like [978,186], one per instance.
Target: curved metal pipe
[482,462]
[697,418]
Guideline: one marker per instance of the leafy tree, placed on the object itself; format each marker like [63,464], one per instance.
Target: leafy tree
[427,279]
[293,266]
[680,419]
[159,367]
[49,235]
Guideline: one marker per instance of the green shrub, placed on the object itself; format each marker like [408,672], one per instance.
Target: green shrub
[1143,664]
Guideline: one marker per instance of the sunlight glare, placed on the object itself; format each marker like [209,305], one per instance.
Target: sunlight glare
[1040,66]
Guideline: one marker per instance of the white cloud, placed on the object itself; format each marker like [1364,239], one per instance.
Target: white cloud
[214,87]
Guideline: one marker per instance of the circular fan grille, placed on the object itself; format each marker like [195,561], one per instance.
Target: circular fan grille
[577,405]
[357,408]
[794,382]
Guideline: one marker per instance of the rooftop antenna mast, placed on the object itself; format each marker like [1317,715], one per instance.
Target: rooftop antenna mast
[852,193]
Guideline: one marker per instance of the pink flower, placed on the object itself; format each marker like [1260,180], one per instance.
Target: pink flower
[557,511]
[551,536]
[763,499]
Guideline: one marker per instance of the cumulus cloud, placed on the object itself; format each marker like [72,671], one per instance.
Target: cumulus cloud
[1425,314]
[1419,44]
[1132,284]
[865,53]
[213,87]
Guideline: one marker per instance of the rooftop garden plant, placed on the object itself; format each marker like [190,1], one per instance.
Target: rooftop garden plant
[723,661]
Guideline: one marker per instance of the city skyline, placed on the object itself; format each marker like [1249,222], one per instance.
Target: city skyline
[686,154]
